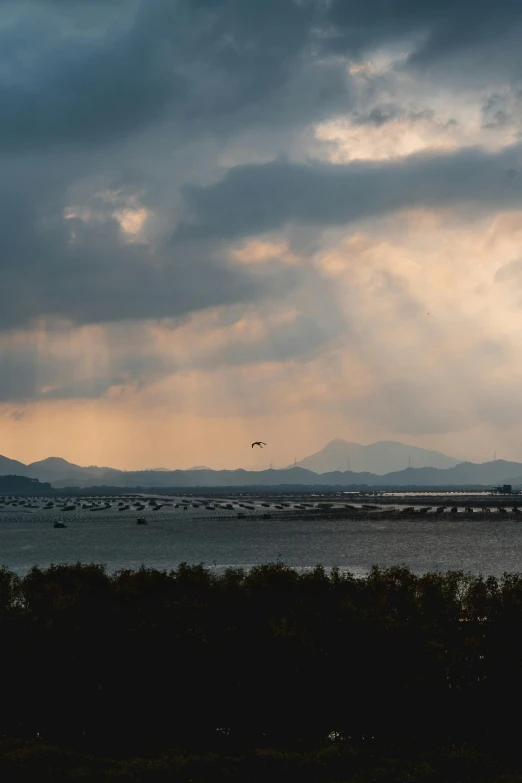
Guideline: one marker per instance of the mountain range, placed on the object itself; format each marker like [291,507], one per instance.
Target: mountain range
[61,473]
[382,457]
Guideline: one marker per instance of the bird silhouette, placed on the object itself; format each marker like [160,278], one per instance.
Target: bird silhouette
[258,443]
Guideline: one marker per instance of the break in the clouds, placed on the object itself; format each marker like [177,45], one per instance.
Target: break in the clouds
[229,209]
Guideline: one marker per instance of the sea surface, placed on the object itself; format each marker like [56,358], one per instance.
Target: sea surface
[431,542]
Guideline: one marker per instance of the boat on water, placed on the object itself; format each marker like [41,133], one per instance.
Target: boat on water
[59,524]
[141,521]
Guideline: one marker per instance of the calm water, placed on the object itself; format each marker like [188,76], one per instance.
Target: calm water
[424,543]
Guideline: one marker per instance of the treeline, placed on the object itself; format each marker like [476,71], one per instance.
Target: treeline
[22,485]
[144,661]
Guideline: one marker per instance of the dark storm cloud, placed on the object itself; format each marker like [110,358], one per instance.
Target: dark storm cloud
[89,273]
[86,73]
[76,76]
[81,79]
[202,65]
[61,83]
[436,28]
[87,270]
[257,198]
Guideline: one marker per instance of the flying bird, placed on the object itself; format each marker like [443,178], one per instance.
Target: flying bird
[258,443]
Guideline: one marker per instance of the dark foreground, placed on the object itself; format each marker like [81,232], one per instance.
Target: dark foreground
[271,674]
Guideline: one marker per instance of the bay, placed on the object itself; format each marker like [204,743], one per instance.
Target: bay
[426,543]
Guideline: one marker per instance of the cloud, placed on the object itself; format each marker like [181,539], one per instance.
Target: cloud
[88,74]
[253,199]
[511,271]
[230,209]
[112,97]
[432,31]
[68,83]
[503,108]
[58,261]
[86,79]
[60,361]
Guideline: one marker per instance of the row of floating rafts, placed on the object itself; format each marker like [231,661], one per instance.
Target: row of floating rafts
[453,510]
[422,510]
[205,504]
[22,503]
[139,505]
[227,506]
[60,524]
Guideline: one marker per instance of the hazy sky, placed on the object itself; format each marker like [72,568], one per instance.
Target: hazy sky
[287,220]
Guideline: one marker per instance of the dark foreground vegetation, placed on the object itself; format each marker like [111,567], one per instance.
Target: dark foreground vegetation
[265,675]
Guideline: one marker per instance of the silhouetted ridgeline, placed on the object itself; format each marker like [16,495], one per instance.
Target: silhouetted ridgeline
[148,661]
[61,473]
[465,474]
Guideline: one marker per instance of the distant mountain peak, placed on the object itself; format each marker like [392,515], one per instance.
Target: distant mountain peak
[341,442]
[53,461]
[382,457]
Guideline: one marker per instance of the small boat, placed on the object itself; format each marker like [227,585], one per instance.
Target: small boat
[141,521]
[59,524]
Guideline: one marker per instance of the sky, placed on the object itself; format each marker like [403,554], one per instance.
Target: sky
[281,220]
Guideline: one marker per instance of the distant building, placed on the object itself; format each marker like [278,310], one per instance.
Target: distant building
[505,489]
